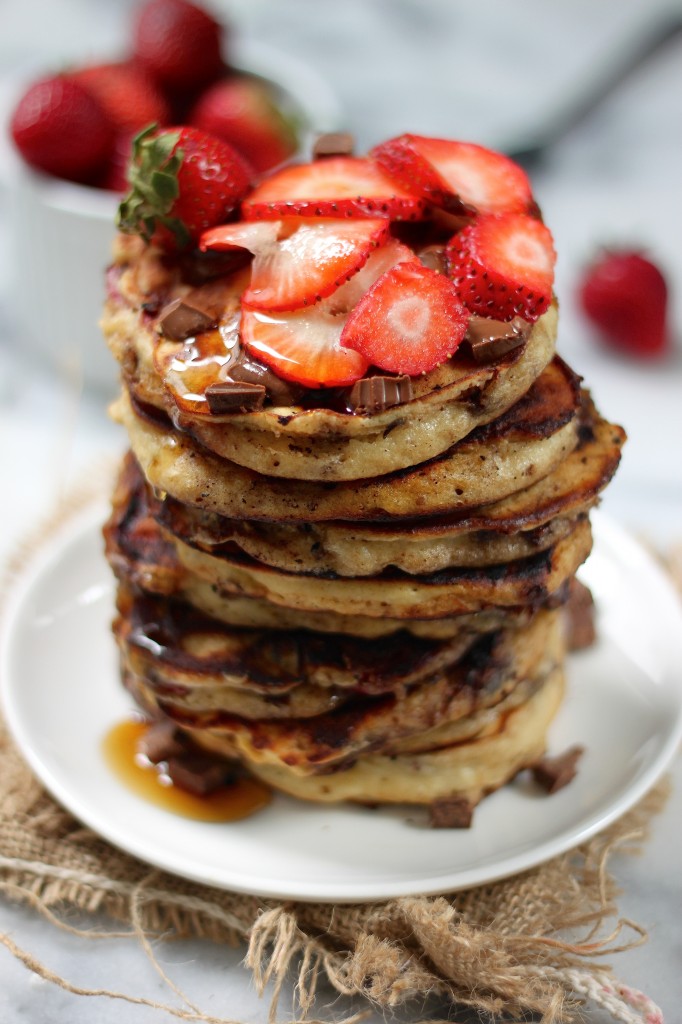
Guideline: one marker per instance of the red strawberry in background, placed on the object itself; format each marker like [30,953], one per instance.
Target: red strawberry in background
[242,112]
[127,94]
[625,295]
[115,175]
[182,183]
[179,43]
[60,128]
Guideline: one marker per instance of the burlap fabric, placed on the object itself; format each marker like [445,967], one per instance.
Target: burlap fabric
[535,943]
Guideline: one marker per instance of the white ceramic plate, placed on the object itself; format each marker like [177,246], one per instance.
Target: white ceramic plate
[61,695]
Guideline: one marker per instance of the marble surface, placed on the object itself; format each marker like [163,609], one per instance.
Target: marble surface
[498,73]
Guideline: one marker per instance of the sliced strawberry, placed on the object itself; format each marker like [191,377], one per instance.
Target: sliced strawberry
[409,321]
[303,346]
[503,266]
[307,264]
[382,259]
[312,263]
[342,186]
[256,237]
[457,176]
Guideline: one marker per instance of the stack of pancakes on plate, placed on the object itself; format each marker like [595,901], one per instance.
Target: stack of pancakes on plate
[356,592]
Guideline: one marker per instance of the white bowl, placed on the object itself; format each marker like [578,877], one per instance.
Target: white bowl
[60,233]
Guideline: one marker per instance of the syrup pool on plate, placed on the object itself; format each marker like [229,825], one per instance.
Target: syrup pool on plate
[230,802]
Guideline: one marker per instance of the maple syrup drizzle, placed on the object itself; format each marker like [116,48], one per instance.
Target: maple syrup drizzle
[199,363]
[232,802]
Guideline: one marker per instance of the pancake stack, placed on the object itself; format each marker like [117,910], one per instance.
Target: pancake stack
[357,589]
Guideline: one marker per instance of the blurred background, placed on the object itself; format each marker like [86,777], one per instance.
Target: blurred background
[510,76]
[507,75]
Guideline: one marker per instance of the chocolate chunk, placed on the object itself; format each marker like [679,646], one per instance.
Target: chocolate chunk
[333,144]
[490,339]
[451,812]
[250,371]
[374,394]
[228,396]
[199,774]
[579,617]
[199,267]
[433,257]
[161,741]
[180,319]
[152,306]
[553,773]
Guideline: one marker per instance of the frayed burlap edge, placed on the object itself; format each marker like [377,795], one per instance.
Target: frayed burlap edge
[533,943]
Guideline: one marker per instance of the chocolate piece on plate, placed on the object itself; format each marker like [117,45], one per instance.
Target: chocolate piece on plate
[490,339]
[579,617]
[199,774]
[230,396]
[451,812]
[180,320]
[333,144]
[374,394]
[553,773]
[161,741]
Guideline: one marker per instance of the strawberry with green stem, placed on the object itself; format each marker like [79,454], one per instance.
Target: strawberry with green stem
[183,182]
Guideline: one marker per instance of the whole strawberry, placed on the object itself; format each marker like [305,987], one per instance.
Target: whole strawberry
[179,43]
[183,181]
[127,94]
[60,128]
[242,112]
[625,295]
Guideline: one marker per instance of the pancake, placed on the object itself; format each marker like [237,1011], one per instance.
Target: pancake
[488,672]
[531,581]
[468,770]
[177,647]
[144,560]
[492,463]
[518,526]
[348,575]
[308,443]
[453,591]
